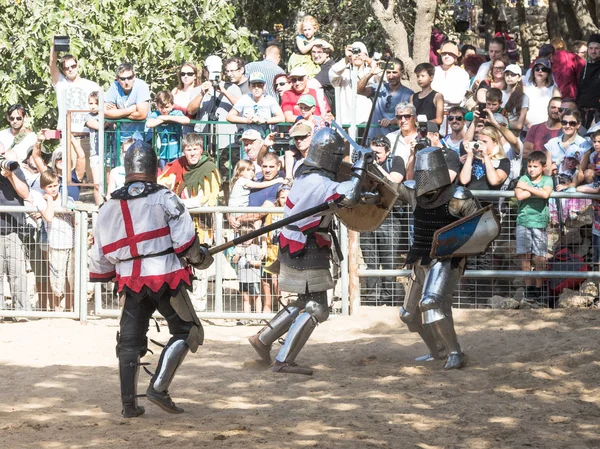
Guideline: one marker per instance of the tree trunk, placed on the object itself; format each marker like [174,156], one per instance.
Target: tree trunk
[571,19]
[523,32]
[583,17]
[490,15]
[397,36]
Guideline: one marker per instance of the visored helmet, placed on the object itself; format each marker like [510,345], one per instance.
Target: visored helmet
[326,150]
[431,170]
[141,163]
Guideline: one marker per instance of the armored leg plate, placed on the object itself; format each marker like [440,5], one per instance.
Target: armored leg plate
[129,367]
[170,360]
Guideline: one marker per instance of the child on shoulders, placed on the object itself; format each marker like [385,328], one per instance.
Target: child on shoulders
[305,39]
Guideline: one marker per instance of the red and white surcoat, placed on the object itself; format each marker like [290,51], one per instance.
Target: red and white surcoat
[137,241]
[308,191]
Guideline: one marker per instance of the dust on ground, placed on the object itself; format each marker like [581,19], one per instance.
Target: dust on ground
[533,381]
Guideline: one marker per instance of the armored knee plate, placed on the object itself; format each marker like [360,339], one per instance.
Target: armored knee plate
[411,320]
[431,308]
[318,310]
[170,360]
[279,325]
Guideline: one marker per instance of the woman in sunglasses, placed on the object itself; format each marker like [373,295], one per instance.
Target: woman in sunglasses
[188,86]
[540,90]
[569,142]
[281,83]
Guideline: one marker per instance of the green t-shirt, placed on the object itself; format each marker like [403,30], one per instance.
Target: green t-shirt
[533,212]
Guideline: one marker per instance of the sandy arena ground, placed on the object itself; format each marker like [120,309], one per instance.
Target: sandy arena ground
[533,381]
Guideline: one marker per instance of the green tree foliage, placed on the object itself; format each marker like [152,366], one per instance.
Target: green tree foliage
[155,36]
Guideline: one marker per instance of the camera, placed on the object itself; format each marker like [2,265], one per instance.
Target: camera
[422,140]
[8,165]
[355,50]
[62,43]
[282,142]
[214,66]
[385,65]
[481,108]
[215,80]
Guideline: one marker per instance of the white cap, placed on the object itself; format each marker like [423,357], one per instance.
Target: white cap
[513,68]
[251,134]
[298,71]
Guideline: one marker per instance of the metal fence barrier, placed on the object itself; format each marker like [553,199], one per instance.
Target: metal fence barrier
[216,292]
[28,290]
[496,273]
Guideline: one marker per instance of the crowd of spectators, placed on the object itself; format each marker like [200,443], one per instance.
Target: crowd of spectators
[220,137]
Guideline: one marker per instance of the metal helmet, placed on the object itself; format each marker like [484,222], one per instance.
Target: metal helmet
[141,163]
[326,150]
[431,170]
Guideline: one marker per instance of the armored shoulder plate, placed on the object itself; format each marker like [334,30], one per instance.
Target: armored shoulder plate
[462,193]
[412,185]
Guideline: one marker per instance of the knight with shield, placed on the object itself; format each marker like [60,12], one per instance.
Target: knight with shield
[449,224]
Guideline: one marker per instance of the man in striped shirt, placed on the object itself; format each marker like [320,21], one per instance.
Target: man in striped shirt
[269,67]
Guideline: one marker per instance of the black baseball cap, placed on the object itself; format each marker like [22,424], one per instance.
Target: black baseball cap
[381,139]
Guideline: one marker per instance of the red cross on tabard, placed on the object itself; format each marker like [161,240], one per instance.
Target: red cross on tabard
[133,239]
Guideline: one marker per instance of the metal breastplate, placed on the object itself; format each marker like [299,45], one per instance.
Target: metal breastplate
[426,222]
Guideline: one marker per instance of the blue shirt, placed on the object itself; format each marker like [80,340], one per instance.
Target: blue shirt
[140,93]
[385,105]
[259,196]
[168,136]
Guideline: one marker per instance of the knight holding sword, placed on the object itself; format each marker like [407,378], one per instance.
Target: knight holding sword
[305,247]
[145,239]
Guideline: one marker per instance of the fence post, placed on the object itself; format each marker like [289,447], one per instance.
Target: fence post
[77,250]
[344,279]
[218,263]
[354,286]
[83,270]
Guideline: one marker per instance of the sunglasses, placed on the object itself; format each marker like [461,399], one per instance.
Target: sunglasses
[127,78]
[70,67]
[187,74]
[499,68]
[404,116]
[445,53]
[571,123]
[296,80]
[257,85]
[388,101]
[458,118]
[564,110]
[18,118]
[540,68]
[301,137]
[281,83]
